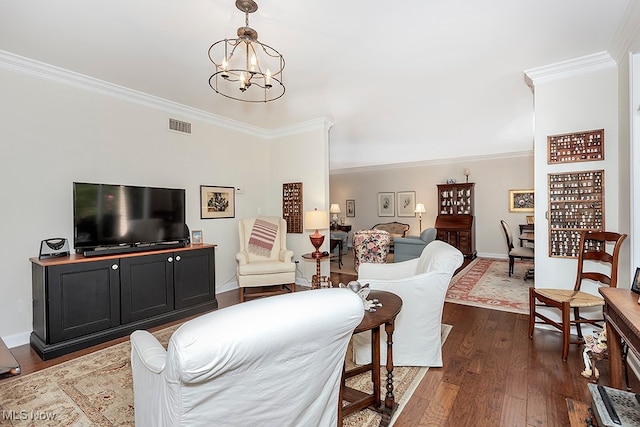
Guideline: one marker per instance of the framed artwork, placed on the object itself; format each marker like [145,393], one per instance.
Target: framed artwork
[521,200]
[635,285]
[351,208]
[406,203]
[386,204]
[217,202]
[196,237]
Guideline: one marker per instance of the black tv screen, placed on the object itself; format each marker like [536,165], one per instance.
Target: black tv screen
[107,215]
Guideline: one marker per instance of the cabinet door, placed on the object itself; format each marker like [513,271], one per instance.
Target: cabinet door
[464,240]
[82,298]
[146,286]
[194,277]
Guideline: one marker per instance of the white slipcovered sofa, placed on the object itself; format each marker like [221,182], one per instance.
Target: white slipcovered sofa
[275,361]
[422,284]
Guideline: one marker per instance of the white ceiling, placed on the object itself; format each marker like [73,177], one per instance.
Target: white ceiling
[403,81]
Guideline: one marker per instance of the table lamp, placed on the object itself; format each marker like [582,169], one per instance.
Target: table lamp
[420,210]
[467,172]
[335,210]
[316,220]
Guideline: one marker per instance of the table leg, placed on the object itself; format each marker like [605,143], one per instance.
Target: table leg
[315,281]
[614,346]
[389,400]
[375,369]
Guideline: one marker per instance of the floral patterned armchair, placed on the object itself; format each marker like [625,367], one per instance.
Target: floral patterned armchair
[371,246]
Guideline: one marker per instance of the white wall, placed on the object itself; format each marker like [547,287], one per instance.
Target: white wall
[573,103]
[55,133]
[303,155]
[494,177]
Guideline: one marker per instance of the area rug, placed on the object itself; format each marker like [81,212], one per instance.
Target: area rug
[97,390]
[486,283]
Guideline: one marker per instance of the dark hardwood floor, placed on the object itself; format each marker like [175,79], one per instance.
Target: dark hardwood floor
[493,374]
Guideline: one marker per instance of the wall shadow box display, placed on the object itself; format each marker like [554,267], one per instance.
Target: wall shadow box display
[292,206]
[576,147]
[521,200]
[217,202]
[576,204]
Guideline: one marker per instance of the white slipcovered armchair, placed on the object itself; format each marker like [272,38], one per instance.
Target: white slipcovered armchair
[263,259]
[422,284]
[246,365]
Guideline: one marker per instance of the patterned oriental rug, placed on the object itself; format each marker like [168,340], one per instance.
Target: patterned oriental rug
[97,390]
[486,283]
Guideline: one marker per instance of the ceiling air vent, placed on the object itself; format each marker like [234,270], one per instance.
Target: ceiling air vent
[179,126]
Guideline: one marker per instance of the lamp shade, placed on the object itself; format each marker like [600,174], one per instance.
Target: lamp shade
[335,208]
[316,220]
[420,208]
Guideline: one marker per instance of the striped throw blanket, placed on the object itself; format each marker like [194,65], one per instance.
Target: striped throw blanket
[263,234]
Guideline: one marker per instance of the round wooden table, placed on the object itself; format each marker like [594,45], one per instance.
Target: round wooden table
[358,400]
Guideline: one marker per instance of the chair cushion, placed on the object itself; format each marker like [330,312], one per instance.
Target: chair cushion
[575,298]
[266,267]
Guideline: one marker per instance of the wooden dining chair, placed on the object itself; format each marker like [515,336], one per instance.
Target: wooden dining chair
[514,251]
[592,252]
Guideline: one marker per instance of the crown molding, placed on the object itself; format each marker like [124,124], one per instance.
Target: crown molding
[569,68]
[27,66]
[322,123]
[627,33]
[442,161]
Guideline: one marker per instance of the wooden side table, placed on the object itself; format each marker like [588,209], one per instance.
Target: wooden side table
[317,278]
[358,400]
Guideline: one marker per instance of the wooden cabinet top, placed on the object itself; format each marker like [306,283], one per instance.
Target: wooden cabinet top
[75,258]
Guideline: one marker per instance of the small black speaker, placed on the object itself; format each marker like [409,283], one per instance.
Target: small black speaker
[55,247]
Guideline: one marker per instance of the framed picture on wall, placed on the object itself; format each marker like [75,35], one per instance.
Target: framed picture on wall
[406,203]
[386,204]
[521,200]
[351,208]
[217,202]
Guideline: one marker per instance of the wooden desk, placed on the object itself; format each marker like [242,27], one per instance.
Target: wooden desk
[622,313]
[358,400]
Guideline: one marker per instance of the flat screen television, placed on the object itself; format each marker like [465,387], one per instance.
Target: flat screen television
[114,218]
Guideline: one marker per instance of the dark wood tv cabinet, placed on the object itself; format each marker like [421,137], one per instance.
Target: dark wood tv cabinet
[79,302]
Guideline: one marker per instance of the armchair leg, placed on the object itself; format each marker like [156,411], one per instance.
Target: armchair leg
[241,290]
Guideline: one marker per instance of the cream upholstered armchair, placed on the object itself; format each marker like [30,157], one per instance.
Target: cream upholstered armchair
[246,366]
[422,284]
[263,259]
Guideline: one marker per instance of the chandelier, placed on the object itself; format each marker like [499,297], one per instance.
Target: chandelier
[247,70]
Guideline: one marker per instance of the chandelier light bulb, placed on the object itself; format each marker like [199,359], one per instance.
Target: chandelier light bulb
[225,67]
[267,79]
[254,62]
[243,84]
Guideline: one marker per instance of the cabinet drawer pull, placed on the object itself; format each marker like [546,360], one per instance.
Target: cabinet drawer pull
[114,267]
[178,258]
[170,259]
